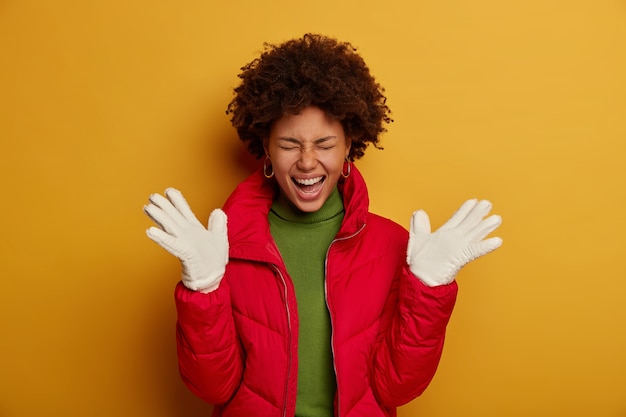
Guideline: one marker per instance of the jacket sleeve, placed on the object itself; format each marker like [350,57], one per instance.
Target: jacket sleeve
[209,354]
[410,342]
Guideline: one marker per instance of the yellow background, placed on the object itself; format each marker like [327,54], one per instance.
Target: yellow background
[522,102]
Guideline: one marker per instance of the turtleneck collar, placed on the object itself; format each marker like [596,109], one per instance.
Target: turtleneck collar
[284,209]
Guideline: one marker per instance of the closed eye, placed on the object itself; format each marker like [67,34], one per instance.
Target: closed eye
[292,144]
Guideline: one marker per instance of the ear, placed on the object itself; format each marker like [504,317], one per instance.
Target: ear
[266,146]
[348,146]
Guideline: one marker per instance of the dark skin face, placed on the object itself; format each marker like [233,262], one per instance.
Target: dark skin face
[307,151]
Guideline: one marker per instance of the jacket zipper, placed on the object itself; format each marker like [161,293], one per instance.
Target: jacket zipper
[290,358]
[332,327]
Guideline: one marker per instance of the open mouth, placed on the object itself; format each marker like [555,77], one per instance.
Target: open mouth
[309,185]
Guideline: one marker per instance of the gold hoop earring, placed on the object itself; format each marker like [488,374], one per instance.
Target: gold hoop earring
[346,175]
[265,166]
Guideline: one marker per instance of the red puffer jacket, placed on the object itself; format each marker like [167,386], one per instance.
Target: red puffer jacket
[237,346]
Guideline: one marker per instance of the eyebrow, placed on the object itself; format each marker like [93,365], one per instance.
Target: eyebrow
[315,142]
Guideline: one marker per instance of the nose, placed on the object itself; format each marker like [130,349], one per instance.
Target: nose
[308,159]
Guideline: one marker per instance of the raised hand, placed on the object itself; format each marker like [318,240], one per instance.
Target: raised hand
[436,258]
[202,251]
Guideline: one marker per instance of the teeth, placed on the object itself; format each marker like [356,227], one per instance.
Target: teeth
[308,181]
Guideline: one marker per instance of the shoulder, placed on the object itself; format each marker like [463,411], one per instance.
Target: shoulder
[382,232]
[382,224]
[253,191]
[247,209]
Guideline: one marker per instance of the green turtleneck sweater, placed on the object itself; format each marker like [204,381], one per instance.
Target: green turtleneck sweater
[303,240]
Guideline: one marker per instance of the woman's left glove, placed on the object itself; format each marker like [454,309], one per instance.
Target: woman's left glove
[436,258]
[202,251]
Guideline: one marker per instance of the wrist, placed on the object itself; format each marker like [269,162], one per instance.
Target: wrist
[429,279]
[209,283]
[211,288]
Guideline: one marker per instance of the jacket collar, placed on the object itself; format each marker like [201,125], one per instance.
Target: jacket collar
[248,206]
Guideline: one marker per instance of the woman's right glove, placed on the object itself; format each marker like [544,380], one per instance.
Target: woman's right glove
[202,251]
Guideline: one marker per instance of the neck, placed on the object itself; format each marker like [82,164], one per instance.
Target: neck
[286,210]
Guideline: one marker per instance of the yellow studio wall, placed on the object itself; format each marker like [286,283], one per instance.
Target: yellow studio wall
[103,103]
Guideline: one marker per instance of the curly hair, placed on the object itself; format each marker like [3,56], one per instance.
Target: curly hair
[313,70]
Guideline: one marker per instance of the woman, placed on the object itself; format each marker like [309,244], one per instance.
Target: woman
[307,304]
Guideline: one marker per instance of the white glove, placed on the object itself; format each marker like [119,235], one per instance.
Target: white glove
[435,258]
[203,253]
